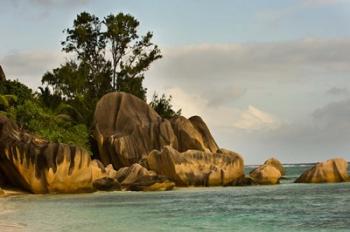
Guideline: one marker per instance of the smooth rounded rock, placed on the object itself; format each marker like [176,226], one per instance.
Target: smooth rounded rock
[265,175]
[277,164]
[330,171]
[138,178]
[196,168]
[39,166]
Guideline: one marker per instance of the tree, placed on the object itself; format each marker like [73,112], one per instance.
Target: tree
[162,105]
[21,91]
[131,54]
[88,43]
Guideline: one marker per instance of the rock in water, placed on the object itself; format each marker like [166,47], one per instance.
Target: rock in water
[138,178]
[277,164]
[2,74]
[39,166]
[196,168]
[267,174]
[330,171]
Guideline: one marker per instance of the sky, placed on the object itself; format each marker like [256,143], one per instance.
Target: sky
[270,78]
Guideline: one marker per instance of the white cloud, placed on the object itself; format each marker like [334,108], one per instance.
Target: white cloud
[30,66]
[255,119]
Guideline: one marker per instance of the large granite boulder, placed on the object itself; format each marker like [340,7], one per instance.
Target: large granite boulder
[138,178]
[2,74]
[265,175]
[127,129]
[195,167]
[39,166]
[193,134]
[269,173]
[277,164]
[330,171]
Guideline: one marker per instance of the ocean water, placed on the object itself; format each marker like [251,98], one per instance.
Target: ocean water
[284,207]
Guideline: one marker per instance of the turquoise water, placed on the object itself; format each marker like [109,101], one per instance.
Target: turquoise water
[285,207]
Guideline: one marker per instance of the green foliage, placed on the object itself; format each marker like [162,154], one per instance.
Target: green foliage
[131,54]
[15,88]
[47,124]
[47,99]
[162,105]
[57,123]
[6,101]
[110,55]
[85,80]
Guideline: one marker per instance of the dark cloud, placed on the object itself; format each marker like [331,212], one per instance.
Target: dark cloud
[336,91]
[334,115]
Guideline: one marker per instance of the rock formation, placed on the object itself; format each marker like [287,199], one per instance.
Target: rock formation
[39,166]
[2,74]
[129,131]
[196,168]
[330,171]
[267,174]
[138,178]
[277,164]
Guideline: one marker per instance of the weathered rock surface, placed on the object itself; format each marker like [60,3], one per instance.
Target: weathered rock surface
[2,74]
[265,175]
[126,129]
[138,178]
[129,131]
[191,138]
[196,168]
[330,171]
[277,164]
[106,184]
[39,166]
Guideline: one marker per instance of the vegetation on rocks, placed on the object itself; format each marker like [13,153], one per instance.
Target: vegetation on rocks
[109,55]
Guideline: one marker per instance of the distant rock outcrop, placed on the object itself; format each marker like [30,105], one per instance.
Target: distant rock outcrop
[128,131]
[2,74]
[330,171]
[39,166]
[267,174]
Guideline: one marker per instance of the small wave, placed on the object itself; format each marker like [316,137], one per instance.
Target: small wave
[5,227]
